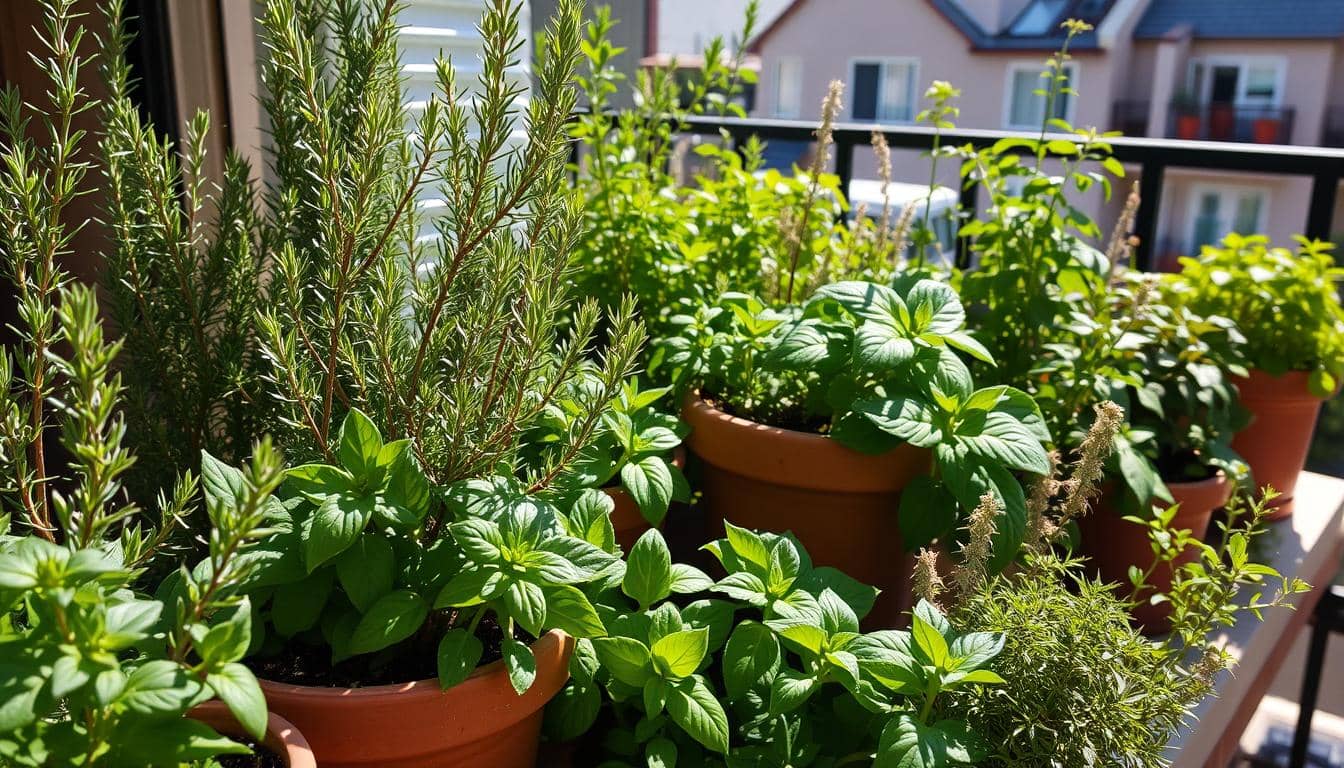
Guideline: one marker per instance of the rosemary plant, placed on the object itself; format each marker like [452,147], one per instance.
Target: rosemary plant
[351,288]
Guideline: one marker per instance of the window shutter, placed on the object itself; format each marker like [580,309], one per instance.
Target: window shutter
[866,79]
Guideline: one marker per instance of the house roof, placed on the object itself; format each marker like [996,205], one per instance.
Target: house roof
[1050,14]
[1244,19]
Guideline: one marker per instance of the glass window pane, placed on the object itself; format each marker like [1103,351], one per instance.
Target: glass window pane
[1261,83]
[1248,213]
[897,101]
[866,77]
[1026,107]
[789,87]
[1208,227]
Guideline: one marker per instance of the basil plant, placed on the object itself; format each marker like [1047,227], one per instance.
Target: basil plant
[875,367]
[363,571]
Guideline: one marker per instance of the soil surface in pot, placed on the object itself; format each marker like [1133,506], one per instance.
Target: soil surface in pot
[792,418]
[412,660]
[261,757]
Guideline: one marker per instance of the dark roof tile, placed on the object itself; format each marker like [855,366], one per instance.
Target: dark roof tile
[1244,19]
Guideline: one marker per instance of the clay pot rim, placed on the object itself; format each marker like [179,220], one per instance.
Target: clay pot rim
[1291,385]
[282,737]
[794,459]
[546,645]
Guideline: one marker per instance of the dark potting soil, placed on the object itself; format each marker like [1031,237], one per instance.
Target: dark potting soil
[787,417]
[261,757]
[409,661]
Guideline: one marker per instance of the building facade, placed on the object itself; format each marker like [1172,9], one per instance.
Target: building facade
[1219,70]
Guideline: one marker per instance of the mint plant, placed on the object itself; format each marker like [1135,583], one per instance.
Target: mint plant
[632,447]
[875,367]
[775,674]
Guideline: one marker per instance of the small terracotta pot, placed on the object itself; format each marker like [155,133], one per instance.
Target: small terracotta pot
[626,518]
[1275,444]
[481,721]
[1113,544]
[282,737]
[841,504]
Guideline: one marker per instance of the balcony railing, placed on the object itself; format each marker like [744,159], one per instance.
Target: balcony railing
[1332,133]
[1214,122]
[1325,167]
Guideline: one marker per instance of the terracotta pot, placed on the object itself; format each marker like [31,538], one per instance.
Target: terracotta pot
[282,737]
[626,518]
[841,504]
[1222,122]
[1275,444]
[479,722]
[1188,126]
[1113,544]
[1266,130]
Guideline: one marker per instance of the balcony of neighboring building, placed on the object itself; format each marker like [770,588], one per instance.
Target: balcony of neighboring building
[1248,123]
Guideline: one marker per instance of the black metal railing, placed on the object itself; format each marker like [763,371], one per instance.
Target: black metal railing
[1230,122]
[1332,132]
[1324,166]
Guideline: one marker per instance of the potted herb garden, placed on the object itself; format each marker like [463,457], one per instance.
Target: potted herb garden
[1287,306]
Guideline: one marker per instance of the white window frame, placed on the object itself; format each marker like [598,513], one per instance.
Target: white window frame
[1036,68]
[778,108]
[1243,65]
[884,62]
[1228,194]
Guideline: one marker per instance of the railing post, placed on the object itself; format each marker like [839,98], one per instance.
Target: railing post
[969,206]
[844,167]
[1151,175]
[1321,213]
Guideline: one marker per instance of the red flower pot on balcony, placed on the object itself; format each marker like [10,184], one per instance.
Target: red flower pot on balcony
[1222,122]
[1188,127]
[1267,130]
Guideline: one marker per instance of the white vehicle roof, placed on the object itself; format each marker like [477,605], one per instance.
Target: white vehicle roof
[902,193]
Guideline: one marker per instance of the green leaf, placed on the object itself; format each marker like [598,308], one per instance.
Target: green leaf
[466,588]
[859,596]
[224,486]
[228,639]
[648,570]
[679,654]
[395,617]
[649,483]
[520,663]
[159,688]
[968,344]
[573,711]
[929,642]
[867,301]
[365,570]
[906,743]
[881,347]
[660,752]
[318,480]
[296,606]
[694,707]
[687,579]
[748,545]
[334,526]
[799,345]
[714,615]
[927,512]
[627,659]
[836,614]
[481,540]
[1139,473]
[998,436]
[359,443]
[784,566]
[527,605]
[172,742]
[570,611]
[935,307]
[751,657]
[907,418]
[237,687]
[975,649]
[458,656]
[790,690]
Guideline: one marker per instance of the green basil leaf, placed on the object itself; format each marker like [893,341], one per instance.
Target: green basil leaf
[927,512]
[570,611]
[359,444]
[458,656]
[237,687]
[393,618]
[907,418]
[648,570]
[334,526]
[365,570]
[679,654]
[520,663]
[751,658]
[694,707]
[627,659]
[649,483]
[526,603]
[790,690]
[298,605]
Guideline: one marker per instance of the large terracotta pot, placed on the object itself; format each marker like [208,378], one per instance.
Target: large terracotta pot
[1267,130]
[626,518]
[1275,444]
[1188,126]
[479,722]
[841,504]
[1113,544]
[282,737]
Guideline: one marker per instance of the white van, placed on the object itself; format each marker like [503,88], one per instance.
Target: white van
[942,218]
